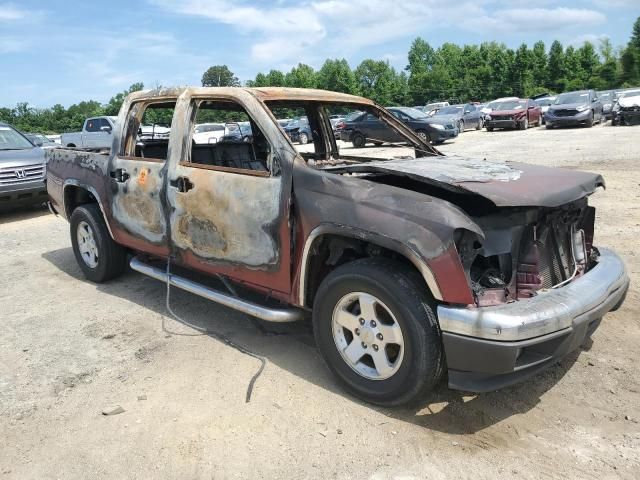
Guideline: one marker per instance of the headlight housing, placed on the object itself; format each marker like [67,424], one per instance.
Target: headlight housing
[437,126]
[488,117]
[581,108]
[616,107]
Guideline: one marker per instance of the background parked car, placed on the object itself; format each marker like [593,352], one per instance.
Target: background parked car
[607,98]
[208,132]
[40,140]
[22,170]
[430,107]
[299,130]
[627,108]
[545,103]
[464,116]
[574,109]
[488,108]
[520,113]
[362,128]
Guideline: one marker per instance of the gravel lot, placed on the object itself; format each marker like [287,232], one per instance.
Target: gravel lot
[69,349]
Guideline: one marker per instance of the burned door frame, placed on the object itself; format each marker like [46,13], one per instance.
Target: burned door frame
[229,221]
[138,186]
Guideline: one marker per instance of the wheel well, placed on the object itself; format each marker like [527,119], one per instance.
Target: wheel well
[331,251]
[75,196]
[72,145]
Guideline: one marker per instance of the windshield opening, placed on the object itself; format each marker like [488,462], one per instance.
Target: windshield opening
[10,139]
[361,133]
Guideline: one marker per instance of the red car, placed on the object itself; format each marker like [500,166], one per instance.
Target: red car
[516,113]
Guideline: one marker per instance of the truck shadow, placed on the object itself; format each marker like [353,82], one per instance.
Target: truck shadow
[292,347]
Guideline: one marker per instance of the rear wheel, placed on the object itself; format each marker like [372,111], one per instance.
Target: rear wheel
[99,257]
[375,325]
[358,140]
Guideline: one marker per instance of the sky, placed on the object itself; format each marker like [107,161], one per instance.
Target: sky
[63,51]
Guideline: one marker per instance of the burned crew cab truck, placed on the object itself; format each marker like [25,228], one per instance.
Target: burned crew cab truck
[412,265]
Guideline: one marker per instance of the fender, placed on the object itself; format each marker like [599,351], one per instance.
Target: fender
[75,183]
[381,240]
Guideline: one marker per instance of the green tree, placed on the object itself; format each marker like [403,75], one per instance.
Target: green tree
[377,81]
[113,106]
[219,76]
[336,75]
[275,78]
[302,76]
[555,67]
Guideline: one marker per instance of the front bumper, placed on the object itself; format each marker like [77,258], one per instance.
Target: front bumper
[446,134]
[561,121]
[491,347]
[30,193]
[511,123]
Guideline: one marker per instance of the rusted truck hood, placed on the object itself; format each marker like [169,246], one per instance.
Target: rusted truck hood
[509,184]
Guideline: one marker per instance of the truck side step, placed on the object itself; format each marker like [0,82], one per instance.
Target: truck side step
[268,314]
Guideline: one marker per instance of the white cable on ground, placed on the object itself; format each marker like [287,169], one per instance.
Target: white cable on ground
[205,331]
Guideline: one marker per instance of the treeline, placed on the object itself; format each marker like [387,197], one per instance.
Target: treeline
[449,72]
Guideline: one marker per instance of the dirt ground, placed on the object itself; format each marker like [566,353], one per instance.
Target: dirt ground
[69,349]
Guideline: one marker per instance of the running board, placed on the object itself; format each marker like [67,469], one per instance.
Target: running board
[278,315]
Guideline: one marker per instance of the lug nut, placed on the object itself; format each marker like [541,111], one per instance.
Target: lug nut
[357,331]
[364,345]
[379,336]
[375,347]
[373,323]
[362,321]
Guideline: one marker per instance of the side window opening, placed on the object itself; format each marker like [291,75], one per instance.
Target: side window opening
[147,130]
[224,136]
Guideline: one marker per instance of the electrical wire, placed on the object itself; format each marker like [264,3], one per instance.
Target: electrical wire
[205,331]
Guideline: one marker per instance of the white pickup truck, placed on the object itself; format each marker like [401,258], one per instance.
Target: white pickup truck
[96,133]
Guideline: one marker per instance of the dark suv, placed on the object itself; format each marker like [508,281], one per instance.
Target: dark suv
[362,128]
[574,109]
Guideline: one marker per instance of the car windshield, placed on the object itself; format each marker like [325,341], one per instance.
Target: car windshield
[630,93]
[298,122]
[353,116]
[208,128]
[412,113]
[572,97]
[545,102]
[510,105]
[449,110]
[12,140]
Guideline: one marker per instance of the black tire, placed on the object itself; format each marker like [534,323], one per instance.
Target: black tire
[548,126]
[402,291]
[524,124]
[71,145]
[358,140]
[303,139]
[489,129]
[589,122]
[479,126]
[424,135]
[377,144]
[111,256]
[461,126]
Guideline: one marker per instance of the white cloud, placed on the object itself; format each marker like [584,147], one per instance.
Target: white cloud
[8,12]
[535,19]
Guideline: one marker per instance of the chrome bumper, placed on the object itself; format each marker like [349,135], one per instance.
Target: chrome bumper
[588,297]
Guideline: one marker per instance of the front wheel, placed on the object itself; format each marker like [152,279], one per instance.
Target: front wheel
[99,257]
[479,126]
[375,325]
[461,126]
[589,122]
[524,124]
[424,135]
[489,129]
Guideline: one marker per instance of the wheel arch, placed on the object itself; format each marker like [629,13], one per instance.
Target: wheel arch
[75,194]
[329,246]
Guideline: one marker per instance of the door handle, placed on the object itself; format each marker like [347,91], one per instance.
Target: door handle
[182,184]
[120,175]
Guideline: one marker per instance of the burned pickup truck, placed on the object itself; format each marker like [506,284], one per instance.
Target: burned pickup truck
[412,264]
